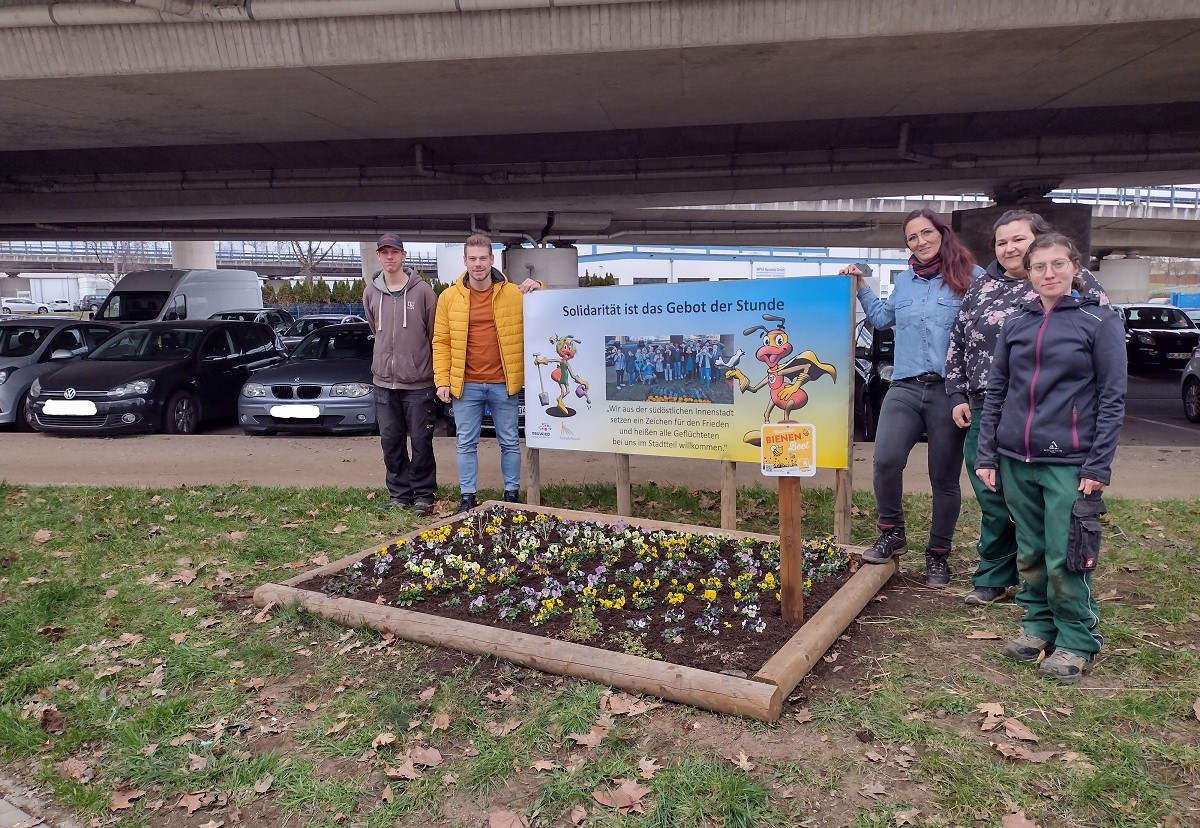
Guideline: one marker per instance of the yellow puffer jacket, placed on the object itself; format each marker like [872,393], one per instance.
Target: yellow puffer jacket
[450,333]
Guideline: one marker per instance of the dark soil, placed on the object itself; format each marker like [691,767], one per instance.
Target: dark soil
[732,650]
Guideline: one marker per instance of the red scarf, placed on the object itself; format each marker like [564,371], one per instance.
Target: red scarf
[929,270]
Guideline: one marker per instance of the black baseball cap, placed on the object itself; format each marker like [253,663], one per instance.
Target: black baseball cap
[389,240]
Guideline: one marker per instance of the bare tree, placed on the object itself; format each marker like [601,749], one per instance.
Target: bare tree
[121,258]
[310,255]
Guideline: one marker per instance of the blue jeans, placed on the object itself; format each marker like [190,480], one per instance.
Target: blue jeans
[468,415]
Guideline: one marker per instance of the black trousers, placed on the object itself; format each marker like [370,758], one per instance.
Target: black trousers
[404,416]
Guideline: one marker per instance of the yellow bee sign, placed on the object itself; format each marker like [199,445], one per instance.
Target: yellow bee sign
[789,450]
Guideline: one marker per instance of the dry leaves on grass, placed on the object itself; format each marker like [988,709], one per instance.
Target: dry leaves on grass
[647,767]
[42,536]
[909,817]
[192,801]
[983,635]
[1016,730]
[502,728]
[501,696]
[743,761]
[623,704]
[123,799]
[592,738]
[1022,754]
[872,790]
[507,819]
[1018,820]
[626,797]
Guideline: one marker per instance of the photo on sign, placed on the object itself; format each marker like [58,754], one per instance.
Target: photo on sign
[671,368]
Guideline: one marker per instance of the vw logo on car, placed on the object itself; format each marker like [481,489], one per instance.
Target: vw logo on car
[69,394]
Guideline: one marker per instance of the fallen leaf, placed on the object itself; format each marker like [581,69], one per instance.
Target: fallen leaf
[578,814]
[237,535]
[803,716]
[339,529]
[52,720]
[872,790]
[1017,820]
[192,801]
[648,767]
[405,771]
[42,536]
[75,769]
[544,765]
[440,722]
[179,637]
[590,739]
[1016,730]
[122,799]
[507,819]
[264,784]
[450,779]
[337,728]
[907,817]
[387,795]
[626,797]
[984,635]
[383,739]
[430,757]
[501,696]
[196,762]
[743,761]
[874,756]
[1022,754]
[427,693]
[502,728]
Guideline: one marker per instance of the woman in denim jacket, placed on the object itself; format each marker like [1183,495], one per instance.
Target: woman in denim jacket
[923,305]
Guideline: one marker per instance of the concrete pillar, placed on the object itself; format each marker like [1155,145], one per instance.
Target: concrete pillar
[974,227]
[1125,277]
[555,267]
[370,263]
[194,255]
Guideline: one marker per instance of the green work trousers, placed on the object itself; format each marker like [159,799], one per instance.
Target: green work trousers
[1059,606]
[997,545]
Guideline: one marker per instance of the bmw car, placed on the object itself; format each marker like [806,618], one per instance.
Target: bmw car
[324,387]
[156,376]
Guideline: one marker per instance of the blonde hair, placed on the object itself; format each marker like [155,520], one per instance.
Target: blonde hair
[478,240]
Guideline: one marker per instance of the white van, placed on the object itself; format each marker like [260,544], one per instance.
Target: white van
[165,295]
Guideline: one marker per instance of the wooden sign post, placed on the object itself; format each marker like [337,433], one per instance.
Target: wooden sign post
[791,550]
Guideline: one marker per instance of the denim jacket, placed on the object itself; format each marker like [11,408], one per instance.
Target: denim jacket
[922,311]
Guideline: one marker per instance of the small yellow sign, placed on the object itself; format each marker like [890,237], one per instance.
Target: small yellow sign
[789,450]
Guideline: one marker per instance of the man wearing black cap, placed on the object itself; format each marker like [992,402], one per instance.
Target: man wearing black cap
[400,307]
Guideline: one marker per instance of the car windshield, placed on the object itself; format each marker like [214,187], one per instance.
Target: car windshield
[242,316]
[140,306]
[335,345]
[303,327]
[148,344]
[1158,318]
[21,341]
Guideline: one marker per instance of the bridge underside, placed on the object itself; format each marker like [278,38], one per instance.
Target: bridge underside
[582,122]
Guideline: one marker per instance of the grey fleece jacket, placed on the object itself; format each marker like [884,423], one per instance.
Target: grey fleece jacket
[403,327]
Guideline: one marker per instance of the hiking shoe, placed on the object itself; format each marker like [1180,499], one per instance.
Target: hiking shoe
[981,596]
[937,571]
[1026,647]
[1066,666]
[467,503]
[423,507]
[889,544]
[512,496]
[396,504]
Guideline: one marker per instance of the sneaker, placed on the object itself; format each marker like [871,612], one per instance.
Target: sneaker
[981,596]
[1066,666]
[889,544]
[512,496]
[396,504]
[468,502]
[937,571]
[1026,647]
[423,507]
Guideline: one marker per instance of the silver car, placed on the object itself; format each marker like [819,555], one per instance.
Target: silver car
[32,348]
[1189,388]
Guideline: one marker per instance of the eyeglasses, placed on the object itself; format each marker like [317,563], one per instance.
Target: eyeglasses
[1058,266]
[927,233]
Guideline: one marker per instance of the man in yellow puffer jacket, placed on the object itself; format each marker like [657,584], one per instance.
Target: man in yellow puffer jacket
[479,359]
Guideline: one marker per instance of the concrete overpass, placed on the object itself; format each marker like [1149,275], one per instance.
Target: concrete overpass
[569,118]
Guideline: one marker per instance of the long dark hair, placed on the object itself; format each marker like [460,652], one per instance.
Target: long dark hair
[958,265]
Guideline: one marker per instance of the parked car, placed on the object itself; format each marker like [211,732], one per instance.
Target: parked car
[59,305]
[91,302]
[156,376]
[873,362]
[1193,314]
[324,387]
[1158,336]
[486,425]
[33,348]
[279,319]
[19,304]
[1189,388]
[307,324]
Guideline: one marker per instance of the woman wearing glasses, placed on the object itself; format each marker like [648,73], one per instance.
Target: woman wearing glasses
[923,305]
[1049,428]
[988,304]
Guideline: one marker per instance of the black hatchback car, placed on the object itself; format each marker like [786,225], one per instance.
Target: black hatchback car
[1158,336]
[157,376]
[873,358]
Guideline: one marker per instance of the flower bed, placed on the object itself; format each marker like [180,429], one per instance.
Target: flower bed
[702,600]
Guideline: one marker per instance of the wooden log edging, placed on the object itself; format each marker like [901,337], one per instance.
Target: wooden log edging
[796,658]
[698,688]
[758,697]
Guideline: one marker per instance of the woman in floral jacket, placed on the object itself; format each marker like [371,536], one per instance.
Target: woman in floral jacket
[988,303]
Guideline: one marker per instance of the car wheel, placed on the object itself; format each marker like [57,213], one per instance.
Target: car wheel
[1191,400]
[42,309]
[182,414]
[8,310]
[24,419]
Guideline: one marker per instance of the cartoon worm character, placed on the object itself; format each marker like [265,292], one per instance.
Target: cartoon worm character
[784,376]
[564,346]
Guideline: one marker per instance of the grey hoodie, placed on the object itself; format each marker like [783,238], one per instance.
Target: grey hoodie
[403,327]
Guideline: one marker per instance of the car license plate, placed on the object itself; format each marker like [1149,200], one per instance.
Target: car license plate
[295,412]
[1187,355]
[77,408]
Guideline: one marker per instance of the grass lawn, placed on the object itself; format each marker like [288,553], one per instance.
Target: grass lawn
[139,686]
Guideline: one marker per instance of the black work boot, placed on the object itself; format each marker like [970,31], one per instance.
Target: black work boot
[890,543]
[937,570]
[512,496]
[468,502]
